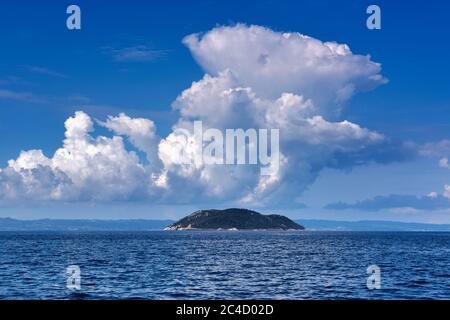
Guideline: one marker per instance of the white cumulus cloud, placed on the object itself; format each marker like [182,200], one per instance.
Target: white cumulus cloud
[255,78]
[275,62]
[84,168]
[258,78]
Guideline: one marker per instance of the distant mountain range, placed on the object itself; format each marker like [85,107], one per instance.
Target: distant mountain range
[370,225]
[8,224]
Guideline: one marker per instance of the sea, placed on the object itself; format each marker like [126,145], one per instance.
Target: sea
[224,265]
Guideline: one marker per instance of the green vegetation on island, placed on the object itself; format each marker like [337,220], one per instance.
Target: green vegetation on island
[234,219]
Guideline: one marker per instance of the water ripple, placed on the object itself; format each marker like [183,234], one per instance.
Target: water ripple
[224,265]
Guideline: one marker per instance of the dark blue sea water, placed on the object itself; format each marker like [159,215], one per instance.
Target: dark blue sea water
[224,265]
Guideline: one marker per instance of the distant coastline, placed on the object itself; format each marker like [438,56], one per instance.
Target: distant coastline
[9,224]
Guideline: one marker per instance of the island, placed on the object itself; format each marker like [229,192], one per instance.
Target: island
[234,219]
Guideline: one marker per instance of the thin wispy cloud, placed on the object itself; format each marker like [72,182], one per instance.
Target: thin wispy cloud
[13,80]
[44,71]
[139,53]
[19,96]
[79,98]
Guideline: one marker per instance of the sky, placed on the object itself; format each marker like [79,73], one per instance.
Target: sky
[89,118]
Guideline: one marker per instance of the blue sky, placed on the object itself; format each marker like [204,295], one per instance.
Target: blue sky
[48,72]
